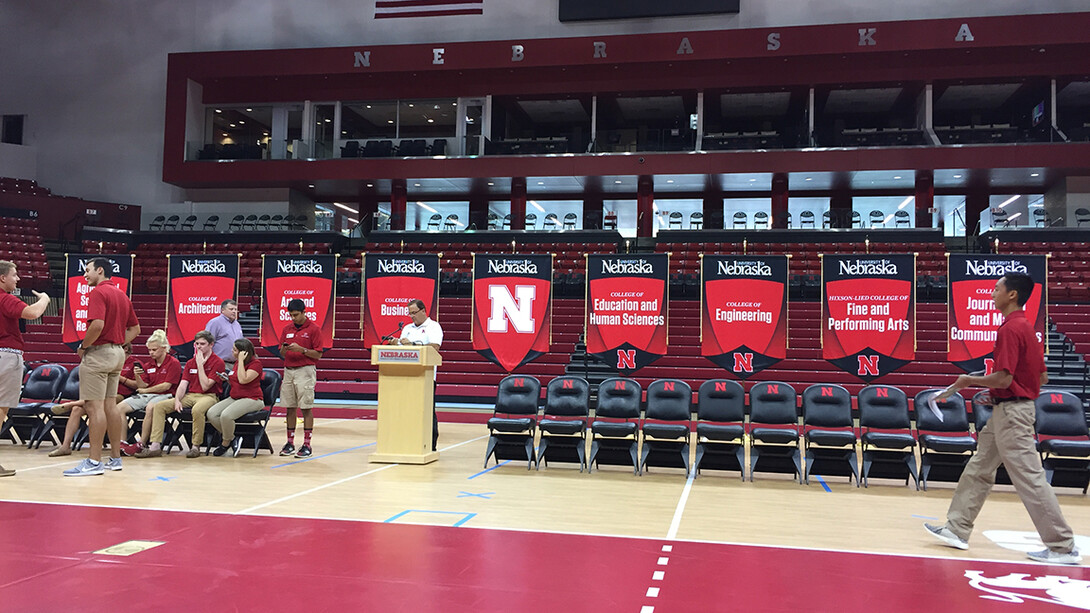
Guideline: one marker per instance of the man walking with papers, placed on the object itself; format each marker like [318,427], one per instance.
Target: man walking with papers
[1008,438]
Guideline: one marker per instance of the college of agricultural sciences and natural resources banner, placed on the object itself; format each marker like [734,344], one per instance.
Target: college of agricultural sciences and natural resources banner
[76,301]
[310,278]
[197,285]
[390,282]
[868,313]
[512,307]
[626,309]
[973,320]
[743,322]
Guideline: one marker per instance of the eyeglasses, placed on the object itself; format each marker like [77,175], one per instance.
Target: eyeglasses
[414,312]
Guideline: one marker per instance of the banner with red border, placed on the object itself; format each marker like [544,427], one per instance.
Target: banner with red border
[512,307]
[310,278]
[76,290]
[627,304]
[743,321]
[390,282]
[197,285]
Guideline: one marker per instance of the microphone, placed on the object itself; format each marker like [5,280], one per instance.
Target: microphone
[390,337]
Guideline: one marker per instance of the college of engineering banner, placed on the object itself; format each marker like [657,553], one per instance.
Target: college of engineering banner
[743,321]
[196,287]
[310,278]
[512,307]
[74,322]
[390,281]
[627,308]
[868,312]
[973,320]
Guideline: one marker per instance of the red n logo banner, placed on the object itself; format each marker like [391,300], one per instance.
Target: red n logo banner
[512,306]
[626,360]
[868,366]
[743,362]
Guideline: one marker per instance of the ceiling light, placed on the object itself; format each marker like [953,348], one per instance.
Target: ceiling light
[225,134]
[344,131]
[491,183]
[897,177]
[370,185]
[368,106]
[265,133]
[328,120]
[416,185]
[537,206]
[218,111]
[1036,174]
[430,120]
[906,202]
[669,180]
[389,121]
[541,183]
[241,122]
[425,207]
[249,110]
[957,176]
[410,105]
[1009,200]
[349,209]
[618,181]
[809,178]
[752,180]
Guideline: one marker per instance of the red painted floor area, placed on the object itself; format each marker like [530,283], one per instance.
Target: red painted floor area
[247,563]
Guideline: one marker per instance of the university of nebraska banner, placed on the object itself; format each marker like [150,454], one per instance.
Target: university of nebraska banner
[868,312]
[196,287]
[310,278]
[390,281]
[743,322]
[512,307]
[74,323]
[626,309]
[973,320]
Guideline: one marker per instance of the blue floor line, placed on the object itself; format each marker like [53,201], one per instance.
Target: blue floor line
[324,455]
[926,517]
[489,469]
[823,483]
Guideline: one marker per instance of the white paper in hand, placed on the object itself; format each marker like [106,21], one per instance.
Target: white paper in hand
[932,403]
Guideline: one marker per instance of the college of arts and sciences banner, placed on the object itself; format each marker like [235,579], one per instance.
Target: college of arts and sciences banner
[310,278]
[868,312]
[76,300]
[196,287]
[743,321]
[390,281]
[626,309]
[512,307]
[973,320]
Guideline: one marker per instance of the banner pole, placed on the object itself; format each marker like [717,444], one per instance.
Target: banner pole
[821,300]
[363,294]
[700,333]
[166,309]
[787,302]
[949,307]
[472,291]
[916,305]
[333,305]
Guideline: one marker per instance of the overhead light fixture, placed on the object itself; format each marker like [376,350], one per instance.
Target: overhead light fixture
[328,120]
[1009,200]
[430,120]
[809,178]
[537,206]
[1036,174]
[344,131]
[752,180]
[897,177]
[389,121]
[669,180]
[425,207]
[311,186]
[241,122]
[225,134]
[349,209]
[906,202]
[370,185]
[368,106]
[410,105]
[541,183]
[957,176]
[232,125]
[416,185]
[249,110]
[491,183]
[218,111]
[618,181]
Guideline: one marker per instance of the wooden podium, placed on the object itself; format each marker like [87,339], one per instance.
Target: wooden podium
[406,376]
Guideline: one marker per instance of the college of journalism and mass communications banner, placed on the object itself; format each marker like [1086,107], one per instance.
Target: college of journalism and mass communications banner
[390,282]
[310,278]
[196,287]
[973,320]
[74,323]
[868,312]
[743,322]
[626,309]
[512,307]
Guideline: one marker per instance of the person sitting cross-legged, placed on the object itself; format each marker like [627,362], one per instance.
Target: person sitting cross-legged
[156,380]
[246,397]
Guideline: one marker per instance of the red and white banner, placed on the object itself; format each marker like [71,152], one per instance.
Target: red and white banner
[512,307]
[197,285]
[390,281]
[74,322]
[394,9]
[627,309]
[743,320]
[310,278]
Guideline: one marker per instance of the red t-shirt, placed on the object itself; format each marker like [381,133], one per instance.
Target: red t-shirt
[126,373]
[213,364]
[108,303]
[170,371]
[247,390]
[1018,352]
[11,309]
[308,336]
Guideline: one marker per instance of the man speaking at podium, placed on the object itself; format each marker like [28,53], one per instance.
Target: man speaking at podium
[423,331]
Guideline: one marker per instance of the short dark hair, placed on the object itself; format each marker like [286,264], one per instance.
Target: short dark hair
[105,264]
[418,303]
[206,335]
[227,303]
[1021,283]
[296,304]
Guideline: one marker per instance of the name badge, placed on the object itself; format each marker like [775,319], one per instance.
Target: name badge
[290,335]
[151,371]
[193,371]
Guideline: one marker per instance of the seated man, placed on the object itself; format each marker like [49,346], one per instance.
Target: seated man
[156,380]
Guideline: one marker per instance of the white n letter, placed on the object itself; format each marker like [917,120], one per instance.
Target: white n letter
[363,59]
[520,311]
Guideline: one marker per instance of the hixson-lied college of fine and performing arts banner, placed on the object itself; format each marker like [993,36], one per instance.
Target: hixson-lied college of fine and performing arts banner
[310,278]
[973,320]
[74,323]
[196,287]
[743,322]
[512,307]
[626,309]
[868,312]
[390,281]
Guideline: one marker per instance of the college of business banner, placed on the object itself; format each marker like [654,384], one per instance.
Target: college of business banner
[196,287]
[310,278]
[74,322]
[390,281]
[743,322]
[512,307]
[868,312]
[973,320]
[626,309]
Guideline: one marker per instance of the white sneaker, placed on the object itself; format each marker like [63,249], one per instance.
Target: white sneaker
[113,464]
[947,536]
[1055,557]
[85,468]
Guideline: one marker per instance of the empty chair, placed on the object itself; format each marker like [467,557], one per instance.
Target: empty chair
[806,219]
[157,223]
[741,220]
[901,219]
[1040,218]
[857,220]
[189,222]
[434,221]
[351,149]
[511,427]
[250,223]
[829,432]
[609,220]
[886,433]
[569,221]
[720,426]
[236,222]
[667,423]
[1064,440]
[450,224]
[276,222]
[531,221]
[507,222]
[877,219]
[1082,215]
[774,429]
[26,419]
[674,220]
[493,220]
[945,445]
[171,223]
[760,219]
[263,221]
[696,220]
[439,146]
[550,222]
[563,422]
[301,222]
[613,432]
[211,223]
[1000,217]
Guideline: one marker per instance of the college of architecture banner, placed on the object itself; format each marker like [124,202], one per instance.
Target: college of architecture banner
[627,309]
[196,287]
[310,278]
[973,320]
[512,307]
[76,300]
[868,312]
[390,281]
[743,321]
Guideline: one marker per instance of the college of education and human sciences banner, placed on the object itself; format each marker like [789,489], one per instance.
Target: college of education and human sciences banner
[512,307]
[627,309]
[868,312]
[197,285]
[973,320]
[310,278]
[76,301]
[390,282]
[743,320]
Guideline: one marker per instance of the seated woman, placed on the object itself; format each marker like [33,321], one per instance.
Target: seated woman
[74,409]
[155,379]
[245,397]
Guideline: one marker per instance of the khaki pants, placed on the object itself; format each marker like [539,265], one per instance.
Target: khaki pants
[200,403]
[223,414]
[99,372]
[297,390]
[1008,440]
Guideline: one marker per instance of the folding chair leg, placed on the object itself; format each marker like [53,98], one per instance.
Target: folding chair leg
[581,451]
[740,455]
[529,452]
[541,447]
[754,454]
[594,447]
[853,462]
[492,440]
[809,466]
[910,461]
[633,451]
[796,458]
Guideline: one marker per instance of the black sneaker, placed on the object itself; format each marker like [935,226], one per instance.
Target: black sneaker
[289,449]
[304,452]
[220,451]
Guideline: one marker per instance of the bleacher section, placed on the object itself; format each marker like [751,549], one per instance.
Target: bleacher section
[22,244]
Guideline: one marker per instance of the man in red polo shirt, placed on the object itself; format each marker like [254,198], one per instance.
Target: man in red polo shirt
[1008,438]
[111,322]
[301,347]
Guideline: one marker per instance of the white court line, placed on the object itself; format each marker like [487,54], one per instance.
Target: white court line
[26,470]
[680,510]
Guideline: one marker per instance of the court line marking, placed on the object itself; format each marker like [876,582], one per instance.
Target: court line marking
[823,483]
[324,455]
[488,470]
[675,523]
[465,516]
[26,470]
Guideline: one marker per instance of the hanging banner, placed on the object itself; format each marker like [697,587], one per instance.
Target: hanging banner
[310,278]
[627,309]
[197,285]
[512,307]
[973,320]
[390,282]
[743,322]
[868,312]
[74,322]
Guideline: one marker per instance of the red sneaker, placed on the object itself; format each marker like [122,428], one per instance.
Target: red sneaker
[130,449]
